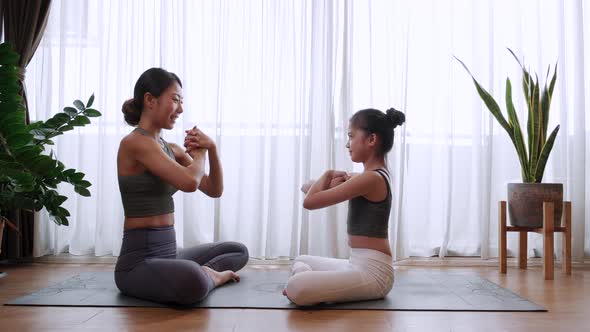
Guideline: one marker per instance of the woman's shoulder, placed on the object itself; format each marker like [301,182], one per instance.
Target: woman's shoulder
[135,141]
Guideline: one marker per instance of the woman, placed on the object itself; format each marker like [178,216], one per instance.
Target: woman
[368,273]
[150,171]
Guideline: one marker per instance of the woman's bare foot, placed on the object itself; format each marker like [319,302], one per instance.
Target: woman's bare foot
[220,278]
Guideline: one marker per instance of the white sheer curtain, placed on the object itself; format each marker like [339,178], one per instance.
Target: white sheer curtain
[452,160]
[274,82]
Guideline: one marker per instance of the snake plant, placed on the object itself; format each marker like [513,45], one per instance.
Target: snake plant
[533,157]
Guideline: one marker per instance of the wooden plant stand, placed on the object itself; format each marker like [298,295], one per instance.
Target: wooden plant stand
[548,230]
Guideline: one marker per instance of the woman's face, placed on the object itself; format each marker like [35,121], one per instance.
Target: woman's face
[169,106]
[358,144]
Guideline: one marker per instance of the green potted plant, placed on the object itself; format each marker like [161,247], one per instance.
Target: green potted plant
[525,200]
[28,174]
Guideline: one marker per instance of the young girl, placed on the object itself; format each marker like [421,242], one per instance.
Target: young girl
[368,273]
[150,170]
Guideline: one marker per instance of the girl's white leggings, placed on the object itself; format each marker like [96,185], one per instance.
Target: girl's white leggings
[366,275]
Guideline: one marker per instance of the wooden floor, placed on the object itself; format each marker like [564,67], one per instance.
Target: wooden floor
[567,298]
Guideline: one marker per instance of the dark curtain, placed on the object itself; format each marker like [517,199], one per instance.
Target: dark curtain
[22,23]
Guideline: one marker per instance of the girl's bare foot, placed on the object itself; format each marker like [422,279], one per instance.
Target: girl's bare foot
[299,267]
[287,295]
[220,278]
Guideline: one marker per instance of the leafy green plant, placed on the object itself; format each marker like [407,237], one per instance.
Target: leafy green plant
[533,157]
[28,175]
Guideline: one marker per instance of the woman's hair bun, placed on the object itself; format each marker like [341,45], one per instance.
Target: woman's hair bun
[131,111]
[395,117]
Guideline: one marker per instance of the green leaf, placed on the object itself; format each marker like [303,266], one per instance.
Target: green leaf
[527,81]
[82,191]
[489,101]
[10,106]
[23,182]
[76,177]
[19,140]
[66,128]
[534,117]
[18,130]
[547,105]
[11,120]
[55,133]
[545,101]
[9,59]
[79,121]
[59,220]
[35,125]
[540,167]
[43,164]
[47,130]
[28,149]
[79,105]
[24,178]
[6,48]
[38,205]
[27,153]
[83,184]
[61,118]
[552,85]
[51,176]
[70,111]
[92,113]
[63,212]
[10,166]
[90,101]
[517,137]
[52,123]
[38,134]
[7,166]
[69,172]
[60,199]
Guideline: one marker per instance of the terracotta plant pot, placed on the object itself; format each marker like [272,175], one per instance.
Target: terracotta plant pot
[525,203]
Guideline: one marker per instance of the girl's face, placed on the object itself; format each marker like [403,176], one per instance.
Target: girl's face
[360,144]
[169,106]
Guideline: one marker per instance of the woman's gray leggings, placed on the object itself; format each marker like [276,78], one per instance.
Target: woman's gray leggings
[150,267]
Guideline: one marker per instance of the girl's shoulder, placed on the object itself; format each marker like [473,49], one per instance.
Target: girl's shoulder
[377,173]
[366,181]
[383,172]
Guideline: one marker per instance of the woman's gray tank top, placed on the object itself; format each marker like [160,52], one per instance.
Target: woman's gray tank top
[145,194]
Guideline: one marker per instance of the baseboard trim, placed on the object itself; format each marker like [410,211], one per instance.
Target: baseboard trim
[412,261]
